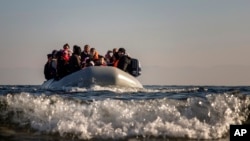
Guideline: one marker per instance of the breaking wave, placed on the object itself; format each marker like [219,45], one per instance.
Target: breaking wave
[206,117]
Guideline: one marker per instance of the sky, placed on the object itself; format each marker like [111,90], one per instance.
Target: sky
[178,42]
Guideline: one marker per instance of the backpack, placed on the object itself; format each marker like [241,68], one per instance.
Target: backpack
[134,67]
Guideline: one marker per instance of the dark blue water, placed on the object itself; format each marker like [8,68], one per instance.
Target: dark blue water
[106,113]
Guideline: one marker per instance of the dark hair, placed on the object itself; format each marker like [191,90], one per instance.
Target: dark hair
[122,50]
[77,50]
[116,55]
[65,45]
[86,46]
[49,55]
[59,53]
[92,49]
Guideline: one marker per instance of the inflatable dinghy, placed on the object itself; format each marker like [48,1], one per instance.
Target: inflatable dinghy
[95,75]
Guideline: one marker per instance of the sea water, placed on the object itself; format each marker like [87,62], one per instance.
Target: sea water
[171,113]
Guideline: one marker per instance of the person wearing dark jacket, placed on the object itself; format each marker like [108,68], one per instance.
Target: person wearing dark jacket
[62,66]
[49,71]
[85,54]
[124,60]
[75,59]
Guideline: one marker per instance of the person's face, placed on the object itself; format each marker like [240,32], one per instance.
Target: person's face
[120,53]
[92,52]
[66,47]
[86,49]
[109,55]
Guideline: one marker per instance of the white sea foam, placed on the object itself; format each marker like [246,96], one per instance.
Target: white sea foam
[130,90]
[101,88]
[193,118]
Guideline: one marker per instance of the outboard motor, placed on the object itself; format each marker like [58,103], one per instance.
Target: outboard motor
[135,67]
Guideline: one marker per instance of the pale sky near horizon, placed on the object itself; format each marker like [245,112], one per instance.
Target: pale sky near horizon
[178,42]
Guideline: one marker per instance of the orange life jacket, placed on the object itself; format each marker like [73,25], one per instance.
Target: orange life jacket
[116,63]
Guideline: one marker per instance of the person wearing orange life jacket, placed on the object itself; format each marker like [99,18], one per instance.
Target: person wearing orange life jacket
[94,55]
[115,59]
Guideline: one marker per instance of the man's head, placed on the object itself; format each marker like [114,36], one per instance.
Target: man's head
[87,48]
[66,46]
[121,51]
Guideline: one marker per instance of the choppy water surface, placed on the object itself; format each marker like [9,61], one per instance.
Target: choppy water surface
[106,113]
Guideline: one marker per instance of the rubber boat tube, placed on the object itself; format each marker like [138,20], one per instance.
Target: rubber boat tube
[95,75]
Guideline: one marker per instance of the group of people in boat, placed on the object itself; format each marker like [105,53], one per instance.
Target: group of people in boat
[65,61]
